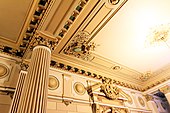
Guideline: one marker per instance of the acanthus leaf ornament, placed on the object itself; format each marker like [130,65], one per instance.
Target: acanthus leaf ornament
[42,39]
[149,97]
[80,47]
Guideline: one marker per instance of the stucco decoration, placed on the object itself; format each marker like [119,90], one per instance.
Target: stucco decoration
[165,89]
[80,47]
[79,88]
[141,101]
[149,97]
[4,70]
[130,101]
[53,82]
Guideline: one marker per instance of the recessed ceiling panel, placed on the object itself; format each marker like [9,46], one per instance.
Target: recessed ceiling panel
[13,14]
[123,39]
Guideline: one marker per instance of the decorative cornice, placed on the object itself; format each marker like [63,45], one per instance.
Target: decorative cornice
[71,69]
[36,18]
[165,89]
[72,18]
[11,51]
[156,83]
[34,23]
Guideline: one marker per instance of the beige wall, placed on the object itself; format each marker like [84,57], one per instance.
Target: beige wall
[56,106]
[5,102]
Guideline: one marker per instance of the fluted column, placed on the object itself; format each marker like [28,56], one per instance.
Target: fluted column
[151,103]
[166,91]
[34,95]
[18,91]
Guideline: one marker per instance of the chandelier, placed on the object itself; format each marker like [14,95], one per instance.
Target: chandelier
[159,35]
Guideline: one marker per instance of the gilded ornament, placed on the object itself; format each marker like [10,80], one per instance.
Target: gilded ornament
[114,2]
[149,97]
[39,40]
[141,101]
[130,101]
[111,91]
[79,88]
[53,82]
[80,47]
[3,70]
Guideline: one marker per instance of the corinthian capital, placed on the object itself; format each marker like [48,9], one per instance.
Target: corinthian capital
[45,40]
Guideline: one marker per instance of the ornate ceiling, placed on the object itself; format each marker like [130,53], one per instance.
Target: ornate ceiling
[93,36]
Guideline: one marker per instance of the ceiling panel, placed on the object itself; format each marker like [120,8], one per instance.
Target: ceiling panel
[13,14]
[124,38]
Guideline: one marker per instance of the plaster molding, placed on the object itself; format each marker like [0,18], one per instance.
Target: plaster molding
[79,46]
[29,33]
[149,97]
[153,89]
[165,89]
[42,40]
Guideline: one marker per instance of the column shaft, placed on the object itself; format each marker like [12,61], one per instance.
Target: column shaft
[34,95]
[18,91]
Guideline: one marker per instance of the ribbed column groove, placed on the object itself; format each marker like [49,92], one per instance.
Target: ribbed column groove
[34,95]
[18,91]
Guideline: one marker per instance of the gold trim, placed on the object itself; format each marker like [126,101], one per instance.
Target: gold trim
[141,101]
[165,89]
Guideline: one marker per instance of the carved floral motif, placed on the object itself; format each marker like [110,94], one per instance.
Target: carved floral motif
[80,47]
[44,41]
[149,97]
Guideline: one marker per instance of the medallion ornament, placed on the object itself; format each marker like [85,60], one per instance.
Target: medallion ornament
[114,2]
[53,82]
[79,88]
[141,101]
[4,70]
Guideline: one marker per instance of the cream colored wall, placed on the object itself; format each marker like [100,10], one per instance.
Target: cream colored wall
[66,91]
[5,102]
[66,88]
[12,68]
[8,80]
[56,106]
